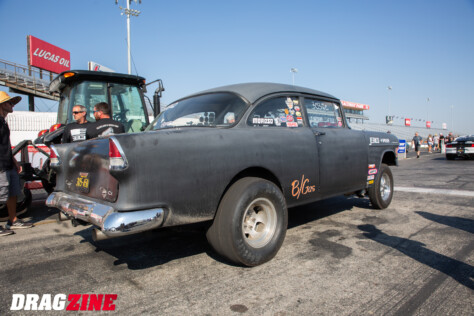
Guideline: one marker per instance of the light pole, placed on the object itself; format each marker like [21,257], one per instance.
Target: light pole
[293,71]
[127,11]
[452,125]
[389,88]
[427,108]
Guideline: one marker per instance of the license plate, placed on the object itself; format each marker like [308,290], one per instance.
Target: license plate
[82,182]
[460,150]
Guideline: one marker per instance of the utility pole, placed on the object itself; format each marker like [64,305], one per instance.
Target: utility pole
[127,11]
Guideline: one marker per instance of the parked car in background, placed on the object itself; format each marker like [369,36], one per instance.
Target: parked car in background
[236,157]
[462,147]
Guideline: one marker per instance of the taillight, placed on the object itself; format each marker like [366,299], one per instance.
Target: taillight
[41,133]
[54,160]
[449,146]
[55,127]
[117,159]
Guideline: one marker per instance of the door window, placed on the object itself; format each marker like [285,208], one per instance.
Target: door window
[323,113]
[277,112]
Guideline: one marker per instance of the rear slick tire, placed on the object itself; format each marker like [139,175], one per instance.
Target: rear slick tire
[250,223]
[381,192]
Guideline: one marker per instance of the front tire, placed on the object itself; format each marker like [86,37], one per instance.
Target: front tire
[381,192]
[250,223]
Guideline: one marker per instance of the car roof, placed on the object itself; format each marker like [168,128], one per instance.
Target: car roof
[256,90]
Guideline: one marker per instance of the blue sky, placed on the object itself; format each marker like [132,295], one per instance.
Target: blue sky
[353,50]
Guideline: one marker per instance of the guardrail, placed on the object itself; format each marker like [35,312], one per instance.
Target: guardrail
[30,80]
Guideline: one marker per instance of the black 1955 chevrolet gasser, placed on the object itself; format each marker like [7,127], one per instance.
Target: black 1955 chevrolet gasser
[238,156]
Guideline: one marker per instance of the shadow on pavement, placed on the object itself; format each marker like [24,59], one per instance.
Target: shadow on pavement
[458,270]
[465,224]
[160,246]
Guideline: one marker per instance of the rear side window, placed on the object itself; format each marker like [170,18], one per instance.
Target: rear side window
[277,112]
[323,113]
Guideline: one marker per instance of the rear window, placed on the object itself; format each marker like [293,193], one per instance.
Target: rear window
[209,110]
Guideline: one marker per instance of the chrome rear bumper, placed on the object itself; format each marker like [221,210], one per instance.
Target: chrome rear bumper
[110,222]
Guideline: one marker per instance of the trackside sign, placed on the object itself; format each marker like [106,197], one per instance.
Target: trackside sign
[46,56]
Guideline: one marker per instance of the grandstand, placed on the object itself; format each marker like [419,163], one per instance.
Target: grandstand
[401,131]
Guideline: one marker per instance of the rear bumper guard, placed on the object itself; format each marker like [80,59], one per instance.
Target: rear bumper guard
[110,222]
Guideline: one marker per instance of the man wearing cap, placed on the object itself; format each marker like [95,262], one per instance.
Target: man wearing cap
[9,168]
[76,131]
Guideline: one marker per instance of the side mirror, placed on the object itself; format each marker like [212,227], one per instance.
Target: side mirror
[157,96]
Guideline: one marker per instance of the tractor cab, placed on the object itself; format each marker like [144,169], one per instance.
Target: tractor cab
[124,93]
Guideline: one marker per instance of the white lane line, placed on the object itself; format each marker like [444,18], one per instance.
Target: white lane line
[435,191]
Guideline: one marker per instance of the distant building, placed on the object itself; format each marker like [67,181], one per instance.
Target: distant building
[355,111]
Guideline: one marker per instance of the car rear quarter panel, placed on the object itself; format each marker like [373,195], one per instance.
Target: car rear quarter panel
[187,170]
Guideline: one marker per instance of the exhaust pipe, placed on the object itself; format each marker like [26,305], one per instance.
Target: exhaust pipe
[62,217]
[98,235]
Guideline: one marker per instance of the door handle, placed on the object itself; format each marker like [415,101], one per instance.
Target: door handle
[319,133]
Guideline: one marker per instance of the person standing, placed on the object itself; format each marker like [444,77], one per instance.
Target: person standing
[104,125]
[9,168]
[450,138]
[416,142]
[436,142]
[430,143]
[76,131]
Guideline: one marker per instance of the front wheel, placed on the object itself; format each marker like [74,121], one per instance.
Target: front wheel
[251,222]
[381,192]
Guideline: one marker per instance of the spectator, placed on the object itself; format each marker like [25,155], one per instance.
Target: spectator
[450,138]
[104,125]
[430,143]
[9,168]
[76,131]
[436,142]
[416,142]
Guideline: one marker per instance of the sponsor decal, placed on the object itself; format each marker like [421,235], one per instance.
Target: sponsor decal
[264,121]
[291,124]
[287,111]
[374,140]
[372,177]
[292,112]
[339,124]
[301,188]
[299,119]
[59,302]
[297,108]
[277,122]
[371,166]
[283,119]
[298,113]
[373,171]
[289,118]
[289,103]
[385,140]
[370,182]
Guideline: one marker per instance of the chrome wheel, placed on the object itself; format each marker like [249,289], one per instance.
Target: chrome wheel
[259,222]
[385,187]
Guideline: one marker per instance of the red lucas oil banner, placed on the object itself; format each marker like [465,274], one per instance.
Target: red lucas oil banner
[46,56]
